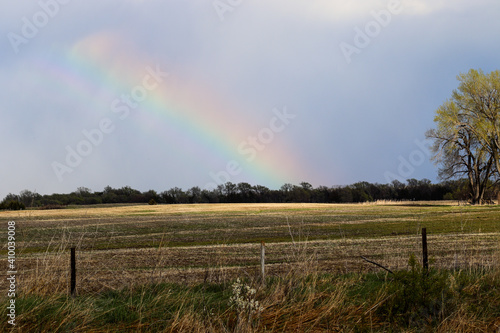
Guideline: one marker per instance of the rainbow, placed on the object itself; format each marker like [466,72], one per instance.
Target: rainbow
[176,111]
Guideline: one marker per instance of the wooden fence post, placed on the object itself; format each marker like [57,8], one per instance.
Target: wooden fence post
[263,262]
[425,257]
[73,272]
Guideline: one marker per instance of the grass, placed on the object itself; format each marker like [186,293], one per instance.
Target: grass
[170,267]
[442,301]
[189,225]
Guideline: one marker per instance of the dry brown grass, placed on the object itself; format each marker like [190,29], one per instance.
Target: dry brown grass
[89,211]
[130,247]
[101,268]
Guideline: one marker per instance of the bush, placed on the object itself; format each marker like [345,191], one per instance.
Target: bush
[418,297]
[13,205]
[152,202]
[52,206]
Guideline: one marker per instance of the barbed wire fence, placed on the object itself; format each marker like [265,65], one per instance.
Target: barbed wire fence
[77,269]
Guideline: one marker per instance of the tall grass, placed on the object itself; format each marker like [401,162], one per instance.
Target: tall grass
[301,298]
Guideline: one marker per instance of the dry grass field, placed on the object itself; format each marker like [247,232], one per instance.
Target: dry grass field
[125,245]
[132,246]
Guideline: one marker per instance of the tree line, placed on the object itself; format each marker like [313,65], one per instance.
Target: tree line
[413,189]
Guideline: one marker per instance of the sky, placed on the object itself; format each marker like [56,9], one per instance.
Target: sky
[159,94]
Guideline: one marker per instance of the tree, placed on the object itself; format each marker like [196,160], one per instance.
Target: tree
[83,191]
[466,140]
[194,194]
[478,99]
[151,195]
[246,192]
[174,196]
[28,198]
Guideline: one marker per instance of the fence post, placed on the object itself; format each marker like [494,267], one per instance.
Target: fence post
[73,272]
[425,257]
[263,262]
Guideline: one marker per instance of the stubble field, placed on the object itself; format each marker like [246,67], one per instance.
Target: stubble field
[135,245]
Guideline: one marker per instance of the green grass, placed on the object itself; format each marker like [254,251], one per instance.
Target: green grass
[439,301]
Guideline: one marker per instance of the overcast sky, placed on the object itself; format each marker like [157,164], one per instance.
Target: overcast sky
[158,94]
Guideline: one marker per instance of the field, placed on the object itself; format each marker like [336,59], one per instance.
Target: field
[129,247]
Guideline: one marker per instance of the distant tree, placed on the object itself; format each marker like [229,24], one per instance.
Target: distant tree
[28,198]
[287,192]
[229,192]
[346,194]
[286,187]
[83,191]
[11,197]
[306,186]
[246,192]
[321,194]
[361,192]
[263,193]
[175,196]
[150,195]
[108,189]
[12,205]
[209,196]
[195,195]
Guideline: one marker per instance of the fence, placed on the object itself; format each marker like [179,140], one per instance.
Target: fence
[425,262]
[97,270]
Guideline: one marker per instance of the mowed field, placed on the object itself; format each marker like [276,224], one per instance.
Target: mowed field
[132,245]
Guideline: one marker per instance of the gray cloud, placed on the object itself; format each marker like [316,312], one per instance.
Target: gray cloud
[354,121]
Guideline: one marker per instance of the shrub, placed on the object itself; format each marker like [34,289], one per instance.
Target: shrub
[418,297]
[12,205]
[51,206]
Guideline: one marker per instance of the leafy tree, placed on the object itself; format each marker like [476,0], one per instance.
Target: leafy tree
[28,198]
[466,139]
[195,195]
[174,196]
[83,191]
[12,205]
[150,196]
[11,197]
[478,99]
[306,186]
